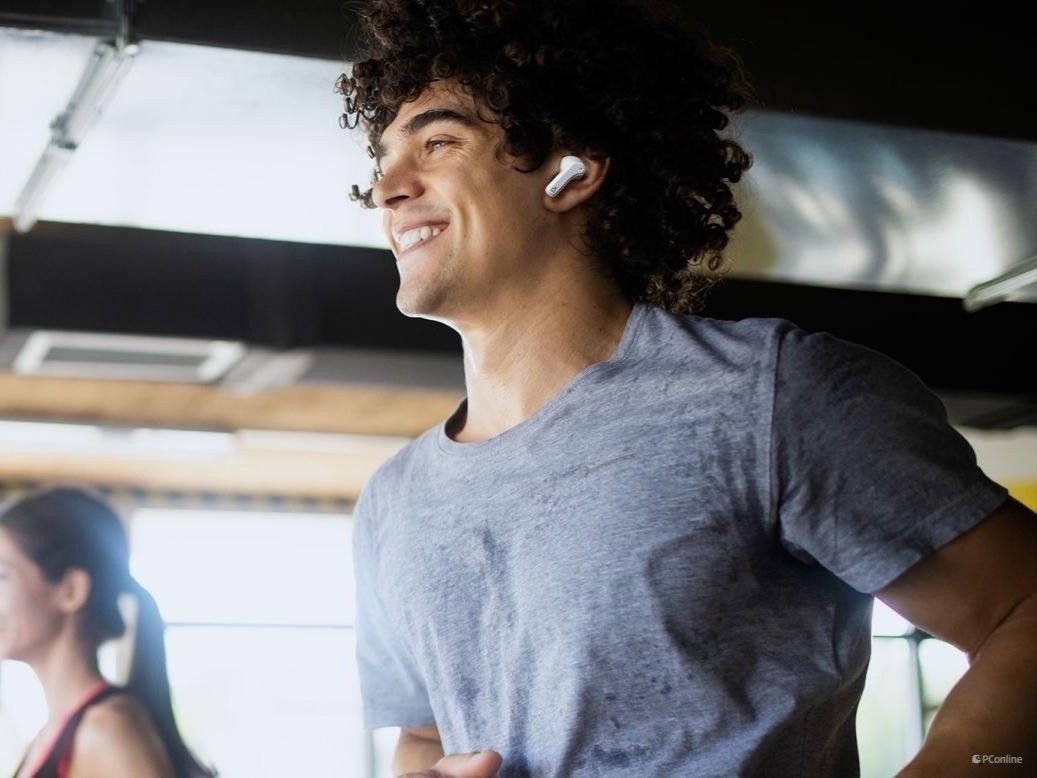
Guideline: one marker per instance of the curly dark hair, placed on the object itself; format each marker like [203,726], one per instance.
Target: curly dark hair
[627,80]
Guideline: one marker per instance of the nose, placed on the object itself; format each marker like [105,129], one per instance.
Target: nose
[398,182]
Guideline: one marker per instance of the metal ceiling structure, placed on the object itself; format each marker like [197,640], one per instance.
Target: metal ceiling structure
[895,174]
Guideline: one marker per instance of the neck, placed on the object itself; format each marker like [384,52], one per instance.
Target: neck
[66,672]
[519,361]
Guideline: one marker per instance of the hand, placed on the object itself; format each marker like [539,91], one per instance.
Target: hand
[483,764]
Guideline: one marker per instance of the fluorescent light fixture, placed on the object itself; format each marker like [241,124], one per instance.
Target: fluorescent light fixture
[174,443]
[126,357]
[53,160]
[105,69]
[58,439]
[68,439]
[997,289]
[32,435]
[329,443]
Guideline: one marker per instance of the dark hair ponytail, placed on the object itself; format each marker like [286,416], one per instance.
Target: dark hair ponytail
[149,683]
[65,527]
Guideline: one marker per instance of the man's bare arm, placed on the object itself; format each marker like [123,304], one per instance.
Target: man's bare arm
[417,749]
[979,593]
[419,754]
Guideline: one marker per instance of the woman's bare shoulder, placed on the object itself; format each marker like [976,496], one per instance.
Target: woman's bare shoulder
[117,739]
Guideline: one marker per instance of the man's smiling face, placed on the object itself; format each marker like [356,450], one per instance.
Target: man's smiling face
[467,227]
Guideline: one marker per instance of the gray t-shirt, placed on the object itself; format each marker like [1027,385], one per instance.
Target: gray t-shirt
[665,570]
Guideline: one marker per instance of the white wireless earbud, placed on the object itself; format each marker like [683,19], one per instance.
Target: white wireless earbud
[572,167]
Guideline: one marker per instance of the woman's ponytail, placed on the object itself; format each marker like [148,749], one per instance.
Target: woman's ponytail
[149,682]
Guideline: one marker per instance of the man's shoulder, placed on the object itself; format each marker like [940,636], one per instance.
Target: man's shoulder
[693,334]
[757,335]
[388,475]
[704,322]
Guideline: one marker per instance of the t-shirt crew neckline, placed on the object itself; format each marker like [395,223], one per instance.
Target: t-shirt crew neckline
[516,434]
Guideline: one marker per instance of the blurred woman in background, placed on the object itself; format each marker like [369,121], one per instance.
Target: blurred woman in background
[64,562]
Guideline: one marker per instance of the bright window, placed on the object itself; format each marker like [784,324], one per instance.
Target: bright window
[259,609]
[909,676]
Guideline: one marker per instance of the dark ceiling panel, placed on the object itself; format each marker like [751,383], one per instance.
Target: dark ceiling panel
[988,351]
[291,295]
[86,17]
[316,28]
[267,293]
[931,68]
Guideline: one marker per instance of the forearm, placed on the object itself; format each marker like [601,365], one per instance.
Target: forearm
[992,710]
[415,753]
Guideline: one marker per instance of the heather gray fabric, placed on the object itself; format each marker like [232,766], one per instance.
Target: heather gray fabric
[663,572]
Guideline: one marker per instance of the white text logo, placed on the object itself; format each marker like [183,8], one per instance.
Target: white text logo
[992,759]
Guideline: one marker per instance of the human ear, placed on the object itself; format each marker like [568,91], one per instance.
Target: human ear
[575,180]
[73,590]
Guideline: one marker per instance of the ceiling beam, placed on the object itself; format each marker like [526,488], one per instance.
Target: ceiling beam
[386,417]
[307,408]
[283,474]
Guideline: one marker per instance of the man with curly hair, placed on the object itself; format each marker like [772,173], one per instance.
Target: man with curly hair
[648,542]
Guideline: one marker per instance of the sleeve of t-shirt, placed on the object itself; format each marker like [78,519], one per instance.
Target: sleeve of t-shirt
[392,686]
[869,476]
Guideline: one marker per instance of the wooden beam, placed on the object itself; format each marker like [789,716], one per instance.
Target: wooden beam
[365,410]
[386,417]
[288,474]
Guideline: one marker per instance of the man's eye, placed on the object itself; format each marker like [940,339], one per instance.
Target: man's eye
[435,143]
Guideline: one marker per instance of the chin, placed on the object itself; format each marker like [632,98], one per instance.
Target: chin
[420,303]
[408,310]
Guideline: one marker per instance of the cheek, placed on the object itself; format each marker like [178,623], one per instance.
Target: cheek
[15,601]
[387,231]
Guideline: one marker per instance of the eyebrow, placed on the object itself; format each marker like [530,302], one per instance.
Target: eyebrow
[420,121]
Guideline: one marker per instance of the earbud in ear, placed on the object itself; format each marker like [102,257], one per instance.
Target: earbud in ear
[571,167]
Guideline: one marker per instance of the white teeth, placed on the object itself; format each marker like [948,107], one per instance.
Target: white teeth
[410,237]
